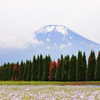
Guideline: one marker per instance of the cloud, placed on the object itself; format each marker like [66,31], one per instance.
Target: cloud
[48,40]
[62,46]
[48,47]
[69,44]
[19,41]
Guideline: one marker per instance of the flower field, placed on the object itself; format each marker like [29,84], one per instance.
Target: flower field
[49,92]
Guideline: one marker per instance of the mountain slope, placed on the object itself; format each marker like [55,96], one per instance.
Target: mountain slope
[61,35]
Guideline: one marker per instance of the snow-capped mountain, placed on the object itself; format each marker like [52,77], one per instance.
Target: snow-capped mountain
[55,40]
[61,36]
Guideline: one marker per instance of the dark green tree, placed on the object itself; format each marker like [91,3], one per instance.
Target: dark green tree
[97,71]
[40,68]
[25,71]
[34,69]
[58,71]
[29,71]
[7,71]
[21,71]
[84,67]
[65,68]
[72,69]
[91,66]
[17,71]
[79,67]
[10,70]
[4,77]
[46,66]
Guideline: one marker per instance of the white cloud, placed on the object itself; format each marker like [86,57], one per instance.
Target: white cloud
[83,42]
[19,41]
[70,37]
[91,45]
[48,47]
[62,46]
[48,40]
[55,44]
[69,44]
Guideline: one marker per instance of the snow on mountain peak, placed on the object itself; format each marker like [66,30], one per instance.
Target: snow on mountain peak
[49,28]
[62,29]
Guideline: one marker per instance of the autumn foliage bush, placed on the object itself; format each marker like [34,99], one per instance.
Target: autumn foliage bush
[52,70]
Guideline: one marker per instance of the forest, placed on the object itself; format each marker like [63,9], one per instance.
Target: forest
[67,68]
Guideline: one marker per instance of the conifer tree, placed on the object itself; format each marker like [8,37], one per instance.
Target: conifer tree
[79,67]
[72,69]
[5,72]
[97,71]
[40,68]
[52,70]
[2,72]
[46,66]
[25,70]
[58,71]
[65,67]
[16,68]
[84,67]
[34,69]
[29,71]
[10,70]
[17,71]
[91,66]
[21,71]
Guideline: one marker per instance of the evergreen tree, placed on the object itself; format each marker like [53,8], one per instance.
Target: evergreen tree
[5,72]
[29,71]
[91,66]
[84,67]
[25,71]
[72,69]
[97,71]
[17,71]
[10,70]
[65,67]
[21,71]
[34,69]
[40,68]
[58,71]
[1,72]
[79,67]
[46,66]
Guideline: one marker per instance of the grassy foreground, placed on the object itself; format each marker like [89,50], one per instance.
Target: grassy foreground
[48,83]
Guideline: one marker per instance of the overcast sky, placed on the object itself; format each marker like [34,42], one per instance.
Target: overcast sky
[20,18]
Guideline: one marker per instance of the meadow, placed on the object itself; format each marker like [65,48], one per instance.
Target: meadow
[49,90]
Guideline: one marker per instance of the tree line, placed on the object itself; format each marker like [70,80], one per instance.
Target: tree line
[74,68]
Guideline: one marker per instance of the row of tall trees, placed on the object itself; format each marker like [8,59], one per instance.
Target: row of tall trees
[74,68]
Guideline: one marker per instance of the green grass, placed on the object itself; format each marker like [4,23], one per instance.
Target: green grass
[31,83]
[48,83]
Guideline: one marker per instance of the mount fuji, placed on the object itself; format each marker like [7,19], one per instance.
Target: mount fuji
[59,39]
[55,40]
